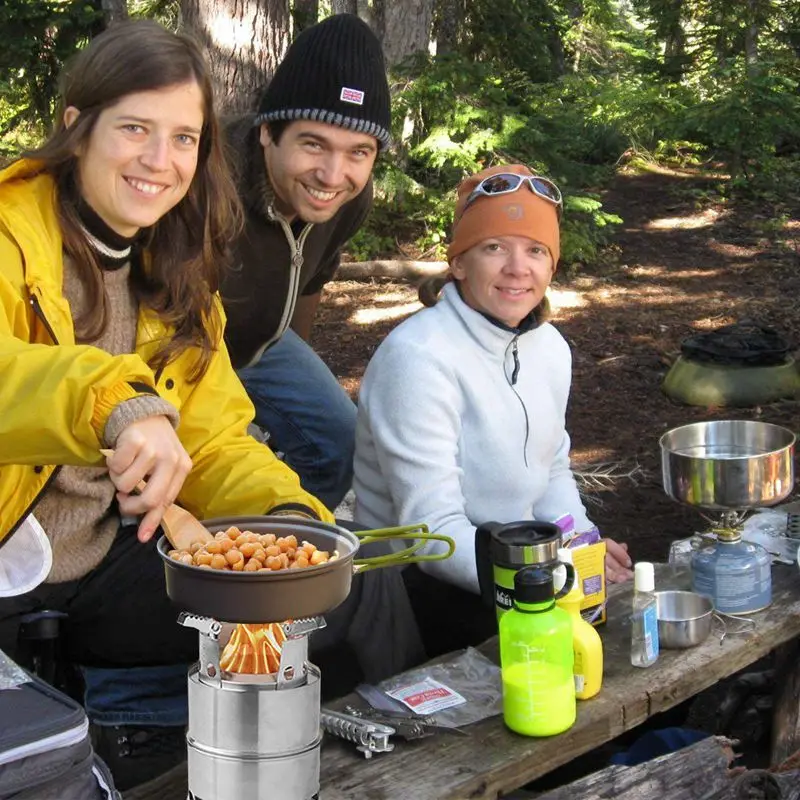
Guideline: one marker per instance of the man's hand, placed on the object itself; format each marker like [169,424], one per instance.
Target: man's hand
[148,450]
[618,562]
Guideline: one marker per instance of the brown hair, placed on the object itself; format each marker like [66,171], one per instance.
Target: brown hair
[185,248]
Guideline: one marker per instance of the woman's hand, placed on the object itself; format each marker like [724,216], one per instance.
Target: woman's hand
[148,450]
[618,562]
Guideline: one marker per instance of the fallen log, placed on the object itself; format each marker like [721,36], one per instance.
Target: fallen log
[397,269]
[697,772]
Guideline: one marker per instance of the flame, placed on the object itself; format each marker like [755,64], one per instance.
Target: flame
[254,649]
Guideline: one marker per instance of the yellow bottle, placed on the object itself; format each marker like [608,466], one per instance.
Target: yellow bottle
[586,642]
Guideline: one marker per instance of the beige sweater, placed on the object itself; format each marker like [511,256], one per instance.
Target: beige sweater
[77,511]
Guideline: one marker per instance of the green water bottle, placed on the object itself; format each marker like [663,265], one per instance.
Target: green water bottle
[536,658]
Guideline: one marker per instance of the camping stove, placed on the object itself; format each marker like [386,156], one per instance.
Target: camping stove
[253,736]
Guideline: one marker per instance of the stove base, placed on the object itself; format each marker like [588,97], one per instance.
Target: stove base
[191,796]
[288,777]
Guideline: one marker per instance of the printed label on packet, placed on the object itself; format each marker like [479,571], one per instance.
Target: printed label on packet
[427,696]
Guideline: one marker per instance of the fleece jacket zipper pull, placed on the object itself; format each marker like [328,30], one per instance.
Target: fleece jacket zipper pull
[515,355]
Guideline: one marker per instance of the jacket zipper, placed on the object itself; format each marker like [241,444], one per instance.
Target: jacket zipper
[296,247]
[37,310]
[513,382]
[515,355]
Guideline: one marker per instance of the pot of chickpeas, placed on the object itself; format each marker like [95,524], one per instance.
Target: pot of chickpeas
[270,569]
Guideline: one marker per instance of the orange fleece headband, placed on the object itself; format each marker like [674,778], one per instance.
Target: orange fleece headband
[520,213]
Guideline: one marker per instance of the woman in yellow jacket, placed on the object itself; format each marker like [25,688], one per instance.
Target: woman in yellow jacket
[111,235]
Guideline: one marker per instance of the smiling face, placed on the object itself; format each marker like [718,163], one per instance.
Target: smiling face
[141,155]
[316,168]
[504,276]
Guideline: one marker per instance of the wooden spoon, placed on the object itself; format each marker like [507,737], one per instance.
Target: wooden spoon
[181,528]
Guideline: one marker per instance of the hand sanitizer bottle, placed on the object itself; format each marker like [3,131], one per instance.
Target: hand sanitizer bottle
[644,619]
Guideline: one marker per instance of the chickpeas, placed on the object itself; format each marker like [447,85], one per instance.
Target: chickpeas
[244,551]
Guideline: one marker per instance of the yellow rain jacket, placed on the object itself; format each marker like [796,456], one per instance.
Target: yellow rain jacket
[55,400]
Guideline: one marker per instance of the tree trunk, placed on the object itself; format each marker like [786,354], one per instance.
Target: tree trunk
[751,38]
[114,11]
[398,270]
[695,772]
[244,40]
[344,6]
[305,13]
[406,28]
[447,22]
[671,30]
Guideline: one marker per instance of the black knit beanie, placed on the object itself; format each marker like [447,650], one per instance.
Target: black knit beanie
[333,72]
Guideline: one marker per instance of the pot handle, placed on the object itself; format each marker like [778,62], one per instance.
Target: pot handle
[418,534]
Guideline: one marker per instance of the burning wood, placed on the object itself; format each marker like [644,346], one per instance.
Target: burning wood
[254,649]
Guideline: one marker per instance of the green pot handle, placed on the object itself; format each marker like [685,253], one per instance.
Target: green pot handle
[418,534]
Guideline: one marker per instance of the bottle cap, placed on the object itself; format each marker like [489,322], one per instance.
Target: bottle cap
[533,585]
[565,555]
[644,579]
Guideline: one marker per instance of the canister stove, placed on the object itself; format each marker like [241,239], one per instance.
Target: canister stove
[729,466]
[253,736]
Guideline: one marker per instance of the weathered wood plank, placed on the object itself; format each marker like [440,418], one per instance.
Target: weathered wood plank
[785,737]
[688,774]
[493,760]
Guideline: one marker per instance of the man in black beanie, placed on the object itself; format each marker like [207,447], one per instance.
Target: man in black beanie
[303,165]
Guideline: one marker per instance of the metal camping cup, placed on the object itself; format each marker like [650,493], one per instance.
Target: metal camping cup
[501,550]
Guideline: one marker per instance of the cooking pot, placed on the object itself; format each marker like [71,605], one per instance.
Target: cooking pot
[728,464]
[276,596]
[685,619]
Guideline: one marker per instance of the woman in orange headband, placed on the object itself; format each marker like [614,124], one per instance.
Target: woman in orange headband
[462,409]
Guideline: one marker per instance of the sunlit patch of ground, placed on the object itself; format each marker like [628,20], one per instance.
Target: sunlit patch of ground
[702,219]
[369,316]
[730,250]
[565,298]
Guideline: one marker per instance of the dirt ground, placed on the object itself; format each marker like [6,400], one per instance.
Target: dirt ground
[682,263]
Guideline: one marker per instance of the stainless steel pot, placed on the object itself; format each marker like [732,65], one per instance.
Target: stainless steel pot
[287,594]
[685,619]
[728,464]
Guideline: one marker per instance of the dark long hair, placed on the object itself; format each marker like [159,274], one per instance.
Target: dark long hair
[183,251]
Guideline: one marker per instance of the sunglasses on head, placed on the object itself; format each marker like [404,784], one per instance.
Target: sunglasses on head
[508,182]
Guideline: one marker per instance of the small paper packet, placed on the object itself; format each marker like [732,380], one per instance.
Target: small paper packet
[427,696]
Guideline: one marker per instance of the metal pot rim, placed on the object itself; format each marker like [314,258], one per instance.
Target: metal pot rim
[674,432]
[708,601]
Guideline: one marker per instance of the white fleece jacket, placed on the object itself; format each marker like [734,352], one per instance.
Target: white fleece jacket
[449,435]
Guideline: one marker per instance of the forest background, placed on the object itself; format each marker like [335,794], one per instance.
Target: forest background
[672,127]
[571,87]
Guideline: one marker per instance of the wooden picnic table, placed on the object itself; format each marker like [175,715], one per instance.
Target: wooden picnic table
[492,760]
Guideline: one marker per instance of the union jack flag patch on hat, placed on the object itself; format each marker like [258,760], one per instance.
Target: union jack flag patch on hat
[354,96]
